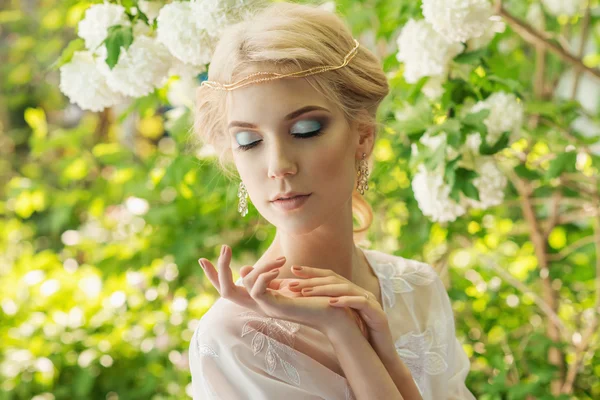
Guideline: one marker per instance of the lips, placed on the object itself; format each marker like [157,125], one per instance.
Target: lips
[292,203]
[288,196]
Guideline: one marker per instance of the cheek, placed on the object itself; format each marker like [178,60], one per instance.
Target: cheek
[333,165]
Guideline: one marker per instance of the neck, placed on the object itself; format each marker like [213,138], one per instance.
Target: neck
[331,246]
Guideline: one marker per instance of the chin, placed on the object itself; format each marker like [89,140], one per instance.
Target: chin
[295,224]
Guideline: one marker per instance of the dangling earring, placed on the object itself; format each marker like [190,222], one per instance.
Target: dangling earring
[243,203]
[363,174]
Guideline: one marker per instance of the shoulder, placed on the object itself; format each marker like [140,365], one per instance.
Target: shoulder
[403,276]
[421,319]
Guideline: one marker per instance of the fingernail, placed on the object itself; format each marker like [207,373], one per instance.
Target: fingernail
[201,263]
[280,258]
[222,249]
[333,301]
[274,271]
[306,290]
[294,284]
[297,268]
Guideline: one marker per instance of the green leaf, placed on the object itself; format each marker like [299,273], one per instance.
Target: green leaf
[502,142]
[118,36]
[416,91]
[471,57]
[470,190]
[464,182]
[511,84]
[67,54]
[437,157]
[450,171]
[415,120]
[476,119]
[564,162]
[526,173]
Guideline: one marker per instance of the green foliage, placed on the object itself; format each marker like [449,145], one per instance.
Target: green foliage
[100,290]
[118,37]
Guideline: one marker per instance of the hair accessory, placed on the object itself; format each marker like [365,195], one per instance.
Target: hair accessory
[274,75]
[363,174]
[243,196]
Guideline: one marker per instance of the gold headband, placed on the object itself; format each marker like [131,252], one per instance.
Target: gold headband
[275,75]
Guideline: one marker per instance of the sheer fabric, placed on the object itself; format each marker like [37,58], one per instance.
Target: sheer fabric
[236,353]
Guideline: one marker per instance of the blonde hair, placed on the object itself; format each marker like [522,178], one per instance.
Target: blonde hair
[291,37]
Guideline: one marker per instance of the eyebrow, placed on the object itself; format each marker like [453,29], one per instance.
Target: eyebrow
[288,117]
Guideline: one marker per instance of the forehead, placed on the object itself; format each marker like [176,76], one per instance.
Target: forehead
[260,102]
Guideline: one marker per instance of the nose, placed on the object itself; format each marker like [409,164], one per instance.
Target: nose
[281,162]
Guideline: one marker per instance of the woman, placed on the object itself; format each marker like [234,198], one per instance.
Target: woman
[290,101]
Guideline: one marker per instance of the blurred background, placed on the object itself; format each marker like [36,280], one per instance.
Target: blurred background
[104,213]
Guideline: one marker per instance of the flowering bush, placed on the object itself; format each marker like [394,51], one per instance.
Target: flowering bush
[486,168]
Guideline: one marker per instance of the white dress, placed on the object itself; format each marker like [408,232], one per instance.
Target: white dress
[236,353]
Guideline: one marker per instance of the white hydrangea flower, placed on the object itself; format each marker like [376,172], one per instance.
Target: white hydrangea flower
[506,114]
[423,51]
[433,142]
[434,89]
[190,30]
[93,28]
[494,27]
[150,8]
[85,85]
[473,142]
[490,184]
[433,195]
[458,20]
[563,7]
[141,68]
[183,34]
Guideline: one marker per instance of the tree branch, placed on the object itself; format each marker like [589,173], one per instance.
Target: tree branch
[531,35]
[584,33]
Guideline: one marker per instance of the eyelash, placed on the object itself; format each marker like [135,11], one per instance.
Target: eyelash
[244,147]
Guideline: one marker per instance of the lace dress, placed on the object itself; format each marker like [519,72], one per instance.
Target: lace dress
[236,353]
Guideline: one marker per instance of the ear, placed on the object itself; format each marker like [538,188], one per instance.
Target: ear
[366,138]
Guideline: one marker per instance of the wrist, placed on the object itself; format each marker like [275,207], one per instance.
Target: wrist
[339,324]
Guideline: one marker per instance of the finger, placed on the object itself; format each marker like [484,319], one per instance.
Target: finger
[313,282]
[210,272]
[314,272]
[262,282]
[335,290]
[245,270]
[250,279]
[225,274]
[275,284]
[359,303]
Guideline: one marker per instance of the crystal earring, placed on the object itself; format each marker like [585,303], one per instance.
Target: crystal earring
[243,202]
[363,174]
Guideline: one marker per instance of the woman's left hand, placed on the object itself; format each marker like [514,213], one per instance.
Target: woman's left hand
[325,282]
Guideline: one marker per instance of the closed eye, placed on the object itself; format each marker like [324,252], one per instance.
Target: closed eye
[318,132]
[298,131]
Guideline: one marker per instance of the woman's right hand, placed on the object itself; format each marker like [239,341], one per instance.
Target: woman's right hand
[257,295]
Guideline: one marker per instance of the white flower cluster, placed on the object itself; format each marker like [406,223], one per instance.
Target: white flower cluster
[506,114]
[458,20]
[182,45]
[563,7]
[424,52]
[426,47]
[433,193]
